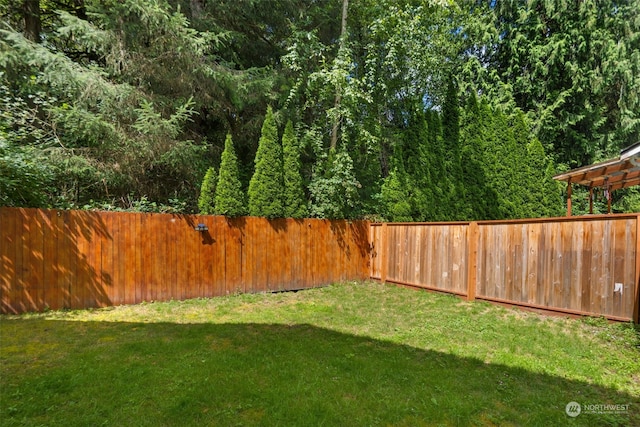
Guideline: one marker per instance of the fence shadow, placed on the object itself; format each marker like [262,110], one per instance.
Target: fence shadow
[81,259]
[50,260]
[271,374]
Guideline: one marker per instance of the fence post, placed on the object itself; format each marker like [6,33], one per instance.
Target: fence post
[472,259]
[382,253]
[636,303]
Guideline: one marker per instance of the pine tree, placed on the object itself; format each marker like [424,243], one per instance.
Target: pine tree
[206,201]
[295,204]
[266,185]
[230,199]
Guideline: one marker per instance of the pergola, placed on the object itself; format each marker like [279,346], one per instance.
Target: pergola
[609,175]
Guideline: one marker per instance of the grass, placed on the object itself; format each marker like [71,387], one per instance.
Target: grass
[348,354]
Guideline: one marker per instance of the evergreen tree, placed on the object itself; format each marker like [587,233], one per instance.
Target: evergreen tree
[266,185]
[521,177]
[395,197]
[545,191]
[503,166]
[295,205]
[206,201]
[230,199]
[553,201]
[479,198]
[416,158]
[440,183]
[451,140]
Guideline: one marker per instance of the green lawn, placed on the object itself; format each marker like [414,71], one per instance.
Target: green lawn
[348,354]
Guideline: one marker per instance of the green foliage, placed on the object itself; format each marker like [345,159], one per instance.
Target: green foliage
[130,100]
[334,190]
[542,188]
[479,198]
[572,67]
[629,201]
[206,201]
[395,197]
[25,177]
[451,141]
[230,198]
[266,185]
[295,203]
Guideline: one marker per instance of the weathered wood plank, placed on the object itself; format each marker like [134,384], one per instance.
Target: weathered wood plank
[9,245]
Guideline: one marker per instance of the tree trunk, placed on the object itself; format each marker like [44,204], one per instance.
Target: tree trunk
[343,35]
[79,9]
[31,15]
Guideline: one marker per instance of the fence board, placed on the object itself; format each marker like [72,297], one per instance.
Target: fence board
[8,272]
[79,259]
[559,264]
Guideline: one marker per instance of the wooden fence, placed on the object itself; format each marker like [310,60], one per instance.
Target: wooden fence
[580,265]
[80,259]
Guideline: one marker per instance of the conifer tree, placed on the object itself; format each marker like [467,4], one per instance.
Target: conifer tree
[395,196]
[440,182]
[266,185]
[230,199]
[502,168]
[526,201]
[479,199]
[416,158]
[545,191]
[451,139]
[206,201]
[295,204]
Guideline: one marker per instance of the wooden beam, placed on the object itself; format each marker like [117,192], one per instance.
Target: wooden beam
[382,253]
[472,260]
[569,198]
[636,304]
[591,200]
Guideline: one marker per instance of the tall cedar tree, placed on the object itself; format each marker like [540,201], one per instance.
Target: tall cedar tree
[546,191]
[525,198]
[451,139]
[478,196]
[266,185]
[206,201]
[295,203]
[440,181]
[417,165]
[502,169]
[230,199]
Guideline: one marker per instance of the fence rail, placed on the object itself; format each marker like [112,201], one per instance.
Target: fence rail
[80,259]
[581,265]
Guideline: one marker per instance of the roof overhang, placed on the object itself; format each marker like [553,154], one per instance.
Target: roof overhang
[612,174]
